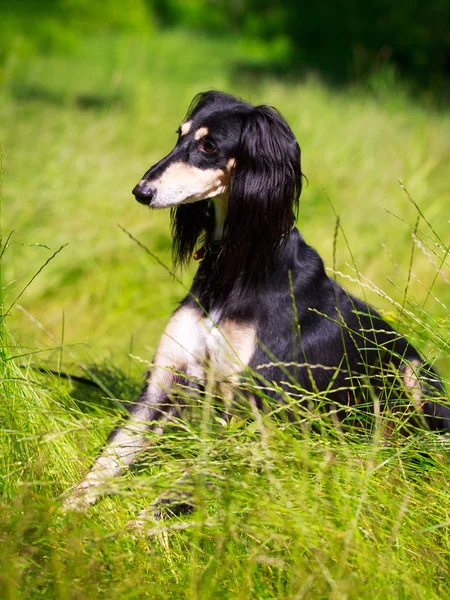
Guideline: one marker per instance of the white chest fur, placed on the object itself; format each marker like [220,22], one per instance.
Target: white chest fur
[200,345]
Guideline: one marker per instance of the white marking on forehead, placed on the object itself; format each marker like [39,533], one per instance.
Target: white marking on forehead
[201,133]
[186,127]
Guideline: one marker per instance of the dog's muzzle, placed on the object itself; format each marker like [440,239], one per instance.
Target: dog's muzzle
[144,192]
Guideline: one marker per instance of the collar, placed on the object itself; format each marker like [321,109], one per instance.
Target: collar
[208,248]
[216,246]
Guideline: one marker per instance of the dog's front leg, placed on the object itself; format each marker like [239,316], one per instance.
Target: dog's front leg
[121,449]
[181,350]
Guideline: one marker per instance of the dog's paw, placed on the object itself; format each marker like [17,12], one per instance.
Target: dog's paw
[174,506]
[79,499]
[141,521]
[75,504]
[161,509]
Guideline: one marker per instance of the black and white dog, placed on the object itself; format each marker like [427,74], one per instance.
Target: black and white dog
[261,300]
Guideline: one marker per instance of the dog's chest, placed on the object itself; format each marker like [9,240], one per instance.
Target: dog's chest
[213,334]
[213,346]
[207,344]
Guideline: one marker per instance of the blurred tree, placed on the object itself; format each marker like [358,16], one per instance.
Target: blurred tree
[341,39]
[348,38]
[47,25]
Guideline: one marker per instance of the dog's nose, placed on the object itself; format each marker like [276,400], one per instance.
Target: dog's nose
[144,192]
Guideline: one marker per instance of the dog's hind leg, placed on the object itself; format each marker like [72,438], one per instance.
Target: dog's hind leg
[424,386]
[180,353]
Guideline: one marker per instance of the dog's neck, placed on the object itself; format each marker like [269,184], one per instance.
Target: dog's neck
[220,212]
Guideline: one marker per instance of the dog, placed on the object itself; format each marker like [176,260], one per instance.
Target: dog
[261,300]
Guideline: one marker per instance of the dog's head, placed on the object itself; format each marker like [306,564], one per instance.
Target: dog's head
[200,165]
[228,149]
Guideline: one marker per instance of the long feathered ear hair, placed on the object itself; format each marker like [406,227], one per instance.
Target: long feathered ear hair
[266,183]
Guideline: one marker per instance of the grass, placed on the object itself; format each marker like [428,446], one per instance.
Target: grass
[281,514]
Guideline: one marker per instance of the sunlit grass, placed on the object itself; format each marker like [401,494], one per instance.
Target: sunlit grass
[282,513]
[69,171]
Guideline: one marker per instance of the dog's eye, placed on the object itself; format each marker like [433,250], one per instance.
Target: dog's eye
[208,147]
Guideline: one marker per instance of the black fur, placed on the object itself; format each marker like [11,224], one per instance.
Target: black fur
[315,343]
[347,350]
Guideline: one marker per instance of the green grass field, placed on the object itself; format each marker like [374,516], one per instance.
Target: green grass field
[281,514]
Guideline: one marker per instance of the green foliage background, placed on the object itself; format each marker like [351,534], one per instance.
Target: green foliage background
[342,40]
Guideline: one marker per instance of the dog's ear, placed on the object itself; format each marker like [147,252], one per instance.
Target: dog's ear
[264,193]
